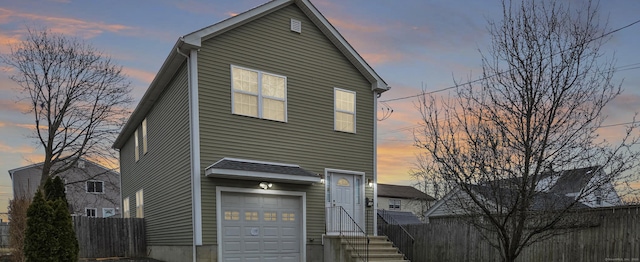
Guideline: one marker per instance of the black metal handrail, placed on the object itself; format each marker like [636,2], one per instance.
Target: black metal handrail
[388,226]
[343,223]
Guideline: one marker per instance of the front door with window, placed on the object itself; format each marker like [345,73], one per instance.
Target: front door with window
[344,202]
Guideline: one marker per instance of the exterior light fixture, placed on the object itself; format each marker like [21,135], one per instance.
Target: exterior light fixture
[370,182]
[265,185]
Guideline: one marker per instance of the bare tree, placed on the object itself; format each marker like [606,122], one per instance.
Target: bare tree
[538,107]
[78,97]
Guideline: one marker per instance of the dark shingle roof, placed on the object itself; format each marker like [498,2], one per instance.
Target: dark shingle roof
[574,180]
[398,217]
[406,192]
[232,164]
[541,200]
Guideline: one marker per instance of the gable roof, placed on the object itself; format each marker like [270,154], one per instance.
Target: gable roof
[194,40]
[406,192]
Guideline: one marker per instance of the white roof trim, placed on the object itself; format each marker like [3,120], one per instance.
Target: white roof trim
[259,176]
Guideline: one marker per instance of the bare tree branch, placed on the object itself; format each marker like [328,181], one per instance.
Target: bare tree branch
[538,108]
[79,98]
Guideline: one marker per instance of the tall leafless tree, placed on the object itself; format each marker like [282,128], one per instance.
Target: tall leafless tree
[78,97]
[538,107]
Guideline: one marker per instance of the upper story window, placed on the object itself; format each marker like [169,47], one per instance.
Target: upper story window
[394,204]
[139,204]
[144,136]
[94,186]
[258,94]
[345,110]
[137,146]
[90,212]
[125,208]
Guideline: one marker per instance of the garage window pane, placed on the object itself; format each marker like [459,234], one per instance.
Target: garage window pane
[270,216]
[232,215]
[251,216]
[288,216]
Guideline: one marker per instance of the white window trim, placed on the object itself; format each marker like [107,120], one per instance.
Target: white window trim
[86,186]
[108,208]
[126,213]
[260,96]
[144,137]
[336,110]
[392,201]
[95,211]
[137,146]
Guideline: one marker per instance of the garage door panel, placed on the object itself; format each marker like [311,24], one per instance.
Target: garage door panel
[261,227]
[233,246]
[270,231]
[290,246]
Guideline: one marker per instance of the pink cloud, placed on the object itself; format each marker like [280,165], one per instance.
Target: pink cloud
[16,149]
[65,25]
[11,105]
[140,75]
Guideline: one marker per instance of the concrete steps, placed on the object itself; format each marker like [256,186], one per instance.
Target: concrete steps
[380,250]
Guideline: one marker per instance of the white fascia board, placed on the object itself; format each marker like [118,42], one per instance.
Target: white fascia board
[253,175]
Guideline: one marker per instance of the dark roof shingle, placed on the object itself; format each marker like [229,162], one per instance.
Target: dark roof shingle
[406,192]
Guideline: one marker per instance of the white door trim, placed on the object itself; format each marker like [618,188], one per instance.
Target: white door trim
[302,195]
[327,172]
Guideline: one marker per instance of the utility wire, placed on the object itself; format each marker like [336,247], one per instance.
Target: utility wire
[499,73]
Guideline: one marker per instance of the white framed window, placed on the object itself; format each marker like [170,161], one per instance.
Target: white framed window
[344,104]
[395,204]
[258,94]
[90,212]
[139,204]
[137,146]
[144,136]
[108,211]
[95,186]
[125,208]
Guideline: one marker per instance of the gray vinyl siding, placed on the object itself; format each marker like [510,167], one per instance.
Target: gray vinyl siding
[313,67]
[164,171]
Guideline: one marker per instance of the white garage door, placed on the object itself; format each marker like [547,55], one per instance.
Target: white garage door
[258,227]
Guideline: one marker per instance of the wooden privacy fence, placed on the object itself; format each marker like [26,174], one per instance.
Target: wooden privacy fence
[110,237]
[614,237]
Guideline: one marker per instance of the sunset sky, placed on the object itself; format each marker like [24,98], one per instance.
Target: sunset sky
[412,44]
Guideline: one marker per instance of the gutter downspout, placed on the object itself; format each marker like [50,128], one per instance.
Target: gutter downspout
[375,162]
[194,128]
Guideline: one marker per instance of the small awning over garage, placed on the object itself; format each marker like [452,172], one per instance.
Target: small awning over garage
[233,168]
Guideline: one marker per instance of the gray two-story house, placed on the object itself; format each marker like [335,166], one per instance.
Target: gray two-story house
[91,189]
[252,133]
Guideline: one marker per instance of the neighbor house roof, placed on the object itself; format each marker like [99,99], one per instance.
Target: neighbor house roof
[574,180]
[406,192]
[39,165]
[194,40]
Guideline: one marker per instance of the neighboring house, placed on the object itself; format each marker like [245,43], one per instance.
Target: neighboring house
[403,198]
[254,130]
[556,190]
[91,189]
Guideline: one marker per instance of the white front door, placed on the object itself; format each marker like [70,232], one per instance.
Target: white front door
[344,190]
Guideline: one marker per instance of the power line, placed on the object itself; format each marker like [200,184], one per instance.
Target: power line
[496,74]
